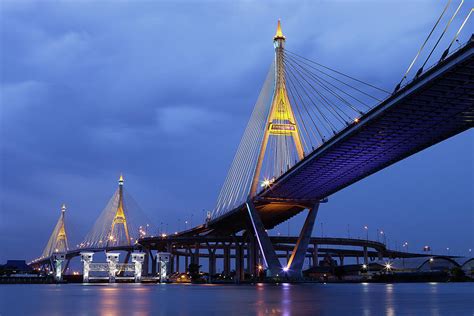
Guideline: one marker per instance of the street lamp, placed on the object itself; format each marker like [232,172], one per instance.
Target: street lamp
[384,237]
[367,231]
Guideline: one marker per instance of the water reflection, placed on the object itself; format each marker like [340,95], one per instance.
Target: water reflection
[286,299]
[389,303]
[108,300]
[111,299]
[261,299]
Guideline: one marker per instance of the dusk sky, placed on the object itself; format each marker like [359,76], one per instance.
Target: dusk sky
[163,91]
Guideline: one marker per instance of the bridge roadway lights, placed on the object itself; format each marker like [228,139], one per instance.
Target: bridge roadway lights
[163,259]
[58,260]
[138,258]
[86,258]
[112,260]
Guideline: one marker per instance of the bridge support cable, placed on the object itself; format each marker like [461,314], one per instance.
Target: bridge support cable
[328,105]
[422,46]
[326,83]
[302,59]
[301,105]
[237,184]
[121,223]
[58,242]
[298,255]
[418,73]
[446,52]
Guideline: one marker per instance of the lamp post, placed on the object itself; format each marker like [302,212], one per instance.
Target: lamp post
[405,244]
[367,232]
[384,237]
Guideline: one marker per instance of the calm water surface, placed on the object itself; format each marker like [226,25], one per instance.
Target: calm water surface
[284,299]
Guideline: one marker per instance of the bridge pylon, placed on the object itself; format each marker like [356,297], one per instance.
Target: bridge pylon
[119,218]
[281,122]
[120,224]
[57,242]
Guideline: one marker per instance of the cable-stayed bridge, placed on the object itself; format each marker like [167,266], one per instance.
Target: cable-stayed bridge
[313,131]
[118,228]
[292,156]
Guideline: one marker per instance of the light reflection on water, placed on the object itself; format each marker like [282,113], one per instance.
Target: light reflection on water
[260,299]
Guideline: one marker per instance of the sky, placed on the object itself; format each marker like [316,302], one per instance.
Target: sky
[162,92]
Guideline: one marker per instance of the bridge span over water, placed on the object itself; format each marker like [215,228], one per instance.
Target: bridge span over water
[437,104]
[312,133]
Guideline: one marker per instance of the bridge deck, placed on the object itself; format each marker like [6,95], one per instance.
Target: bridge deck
[435,106]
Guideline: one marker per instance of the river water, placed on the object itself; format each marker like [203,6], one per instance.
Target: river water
[264,299]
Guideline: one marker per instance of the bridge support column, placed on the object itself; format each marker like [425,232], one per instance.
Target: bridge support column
[186,260]
[315,255]
[177,263]
[153,264]
[380,255]
[239,263]
[86,258]
[58,261]
[66,266]
[212,260]
[112,260]
[252,256]
[366,257]
[270,258]
[341,260]
[163,259]
[169,248]
[226,259]
[145,266]
[137,259]
[195,255]
[298,255]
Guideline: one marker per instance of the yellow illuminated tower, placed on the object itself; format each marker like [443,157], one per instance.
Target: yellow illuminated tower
[57,242]
[119,217]
[281,120]
[61,239]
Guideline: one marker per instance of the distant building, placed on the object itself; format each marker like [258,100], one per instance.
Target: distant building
[15,267]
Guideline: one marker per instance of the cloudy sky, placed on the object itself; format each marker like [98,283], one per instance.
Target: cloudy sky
[162,91]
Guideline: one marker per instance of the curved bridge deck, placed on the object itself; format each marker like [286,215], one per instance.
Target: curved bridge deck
[435,106]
